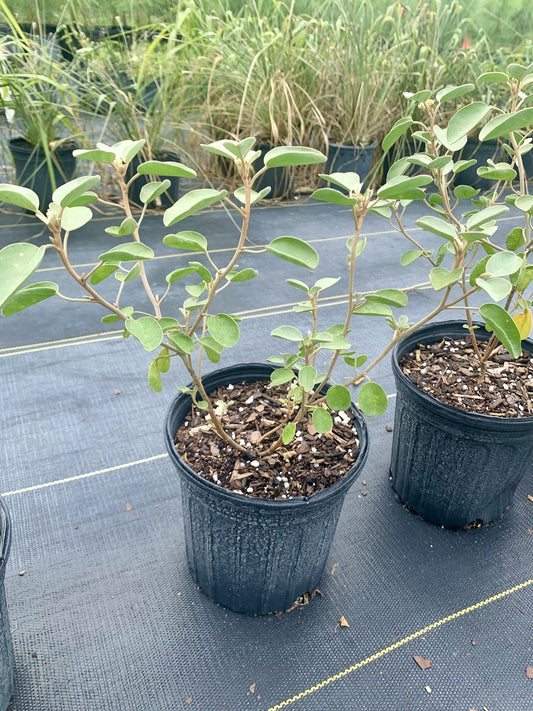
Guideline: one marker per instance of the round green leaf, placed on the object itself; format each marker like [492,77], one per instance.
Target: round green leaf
[98,155]
[465,120]
[322,420]
[19,196]
[504,124]
[243,275]
[223,329]
[294,250]
[515,239]
[293,155]
[288,333]
[497,288]
[102,272]
[288,433]
[307,377]
[154,377]
[181,341]
[441,278]
[281,376]
[146,330]
[129,252]
[405,188]
[179,273]
[73,218]
[191,203]
[150,191]
[392,297]
[372,399]
[191,241]
[503,264]
[338,398]
[335,197]
[166,169]
[68,193]
[398,130]
[127,227]
[30,295]
[17,264]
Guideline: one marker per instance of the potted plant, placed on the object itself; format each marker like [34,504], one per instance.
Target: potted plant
[464,418]
[6,651]
[260,505]
[39,102]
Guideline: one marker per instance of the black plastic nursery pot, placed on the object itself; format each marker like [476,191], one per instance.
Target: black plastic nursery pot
[249,554]
[450,466]
[32,170]
[171,194]
[6,650]
[357,159]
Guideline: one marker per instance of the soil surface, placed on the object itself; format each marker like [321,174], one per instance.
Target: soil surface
[451,373]
[310,463]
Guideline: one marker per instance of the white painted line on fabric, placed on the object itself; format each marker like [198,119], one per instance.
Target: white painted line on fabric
[118,467]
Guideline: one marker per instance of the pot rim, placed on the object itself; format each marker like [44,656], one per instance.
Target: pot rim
[336,489]
[5,535]
[431,333]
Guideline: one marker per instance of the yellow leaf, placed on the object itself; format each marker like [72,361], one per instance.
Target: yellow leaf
[343,622]
[523,321]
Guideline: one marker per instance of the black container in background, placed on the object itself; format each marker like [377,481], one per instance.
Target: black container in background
[450,466]
[355,159]
[255,555]
[6,649]
[32,171]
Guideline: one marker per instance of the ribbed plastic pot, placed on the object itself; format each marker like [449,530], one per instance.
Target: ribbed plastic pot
[168,198]
[32,171]
[249,554]
[450,466]
[357,159]
[6,649]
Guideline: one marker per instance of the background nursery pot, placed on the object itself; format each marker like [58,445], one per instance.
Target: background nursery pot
[255,555]
[6,651]
[450,466]
[350,158]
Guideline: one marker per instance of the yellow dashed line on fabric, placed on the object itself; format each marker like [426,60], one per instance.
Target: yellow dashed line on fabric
[38,487]
[400,643]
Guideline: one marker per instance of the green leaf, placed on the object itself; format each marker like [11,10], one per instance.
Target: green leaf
[223,329]
[503,326]
[322,420]
[240,194]
[202,271]
[243,275]
[307,377]
[503,264]
[493,77]
[392,297]
[461,165]
[288,333]
[179,274]
[281,376]
[163,359]
[504,124]
[167,169]
[129,252]
[499,171]
[437,226]
[288,432]
[68,193]
[181,341]
[168,323]
[127,227]
[154,377]
[191,241]
[298,284]
[515,239]
[335,197]
[338,398]
[98,155]
[293,155]
[442,137]
[28,296]
[129,276]
[452,92]
[419,97]
[348,180]
[441,278]
[146,330]
[478,270]
[410,256]
[191,203]
[465,120]
[405,188]
[464,191]
[372,308]
[73,218]
[17,263]
[19,196]
[486,215]
[337,343]
[323,284]
[110,318]
[102,272]
[497,288]
[524,203]
[516,70]
[294,250]
[127,150]
[398,130]
[372,399]
[150,191]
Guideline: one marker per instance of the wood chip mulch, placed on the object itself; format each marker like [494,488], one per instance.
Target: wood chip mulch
[450,372]
[310,463]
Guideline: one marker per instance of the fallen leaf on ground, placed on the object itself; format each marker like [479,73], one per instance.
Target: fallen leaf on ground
[188,701]
[422,663]
[252,689]
[22,572]
[343,622]
[128,506]
[529,672]
[333,569]
[529,497]
[117,392]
